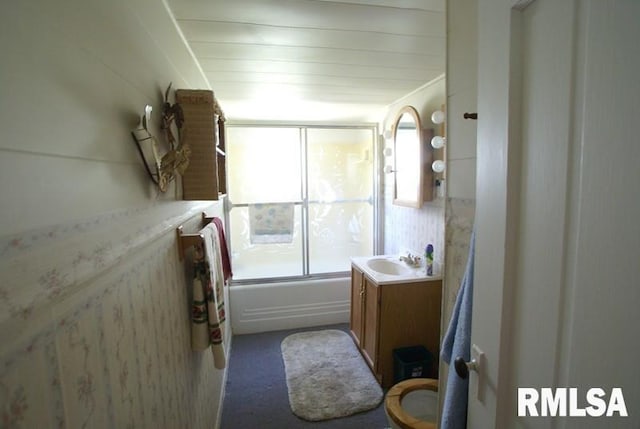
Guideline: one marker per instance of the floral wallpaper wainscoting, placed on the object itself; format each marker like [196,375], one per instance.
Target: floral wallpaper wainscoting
[108,347]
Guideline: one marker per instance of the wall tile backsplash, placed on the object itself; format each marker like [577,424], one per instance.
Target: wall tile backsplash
[412,229]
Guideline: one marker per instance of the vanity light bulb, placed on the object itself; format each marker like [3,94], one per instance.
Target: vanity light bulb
[438,142]
[387,134]
[438,166]
[387,151]
[388,169]
[437,117]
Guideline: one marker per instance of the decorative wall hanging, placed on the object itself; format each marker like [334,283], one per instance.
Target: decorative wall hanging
[176,158]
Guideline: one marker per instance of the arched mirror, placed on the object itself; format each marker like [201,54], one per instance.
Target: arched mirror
[412,179]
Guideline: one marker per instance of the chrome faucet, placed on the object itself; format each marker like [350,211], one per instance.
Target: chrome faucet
[411,260]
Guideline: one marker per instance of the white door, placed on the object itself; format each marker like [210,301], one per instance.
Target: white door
[557,281]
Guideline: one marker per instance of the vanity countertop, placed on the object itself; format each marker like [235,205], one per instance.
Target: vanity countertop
[388,269]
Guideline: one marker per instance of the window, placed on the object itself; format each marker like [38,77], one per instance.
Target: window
[301,199]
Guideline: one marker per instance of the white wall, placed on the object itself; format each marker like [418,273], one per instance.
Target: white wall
[76,76]
[94,313]
[461,141]
[462,91]
[461,153]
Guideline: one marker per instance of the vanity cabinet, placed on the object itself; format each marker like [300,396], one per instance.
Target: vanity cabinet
[364,313]
[357,306]
[388,316]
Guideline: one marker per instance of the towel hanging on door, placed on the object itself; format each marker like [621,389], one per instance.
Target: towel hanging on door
[457,342]
[271,223]
[208,313]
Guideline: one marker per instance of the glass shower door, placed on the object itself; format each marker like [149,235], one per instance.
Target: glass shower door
[340,197]
[264,169]
[322,177]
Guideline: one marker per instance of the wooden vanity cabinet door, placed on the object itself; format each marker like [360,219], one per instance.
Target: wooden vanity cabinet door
[409,316]
[357,302]
[371,323]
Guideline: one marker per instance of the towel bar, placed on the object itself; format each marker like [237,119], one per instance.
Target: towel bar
[187,240]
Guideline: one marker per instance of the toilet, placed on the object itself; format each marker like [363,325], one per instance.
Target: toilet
[412,404]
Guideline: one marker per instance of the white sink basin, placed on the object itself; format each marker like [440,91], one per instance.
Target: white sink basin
[388,266]
[388,269]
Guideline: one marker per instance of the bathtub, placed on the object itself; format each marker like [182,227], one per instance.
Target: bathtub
[287,305]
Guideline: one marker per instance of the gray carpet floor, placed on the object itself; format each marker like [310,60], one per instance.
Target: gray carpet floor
[256,392]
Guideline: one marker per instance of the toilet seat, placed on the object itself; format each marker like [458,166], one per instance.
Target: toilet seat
[393,400]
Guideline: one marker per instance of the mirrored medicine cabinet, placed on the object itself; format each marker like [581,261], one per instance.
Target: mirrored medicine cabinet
[413,177]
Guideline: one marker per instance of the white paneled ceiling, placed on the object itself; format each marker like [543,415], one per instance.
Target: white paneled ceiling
[313,59]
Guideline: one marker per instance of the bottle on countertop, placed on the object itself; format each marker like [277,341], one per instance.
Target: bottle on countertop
[428,256]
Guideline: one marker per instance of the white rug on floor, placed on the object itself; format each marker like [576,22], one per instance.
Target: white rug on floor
[327,377]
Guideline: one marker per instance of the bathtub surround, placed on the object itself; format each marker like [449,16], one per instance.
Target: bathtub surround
[326,376]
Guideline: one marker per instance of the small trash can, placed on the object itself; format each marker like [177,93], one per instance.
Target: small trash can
[411,362]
